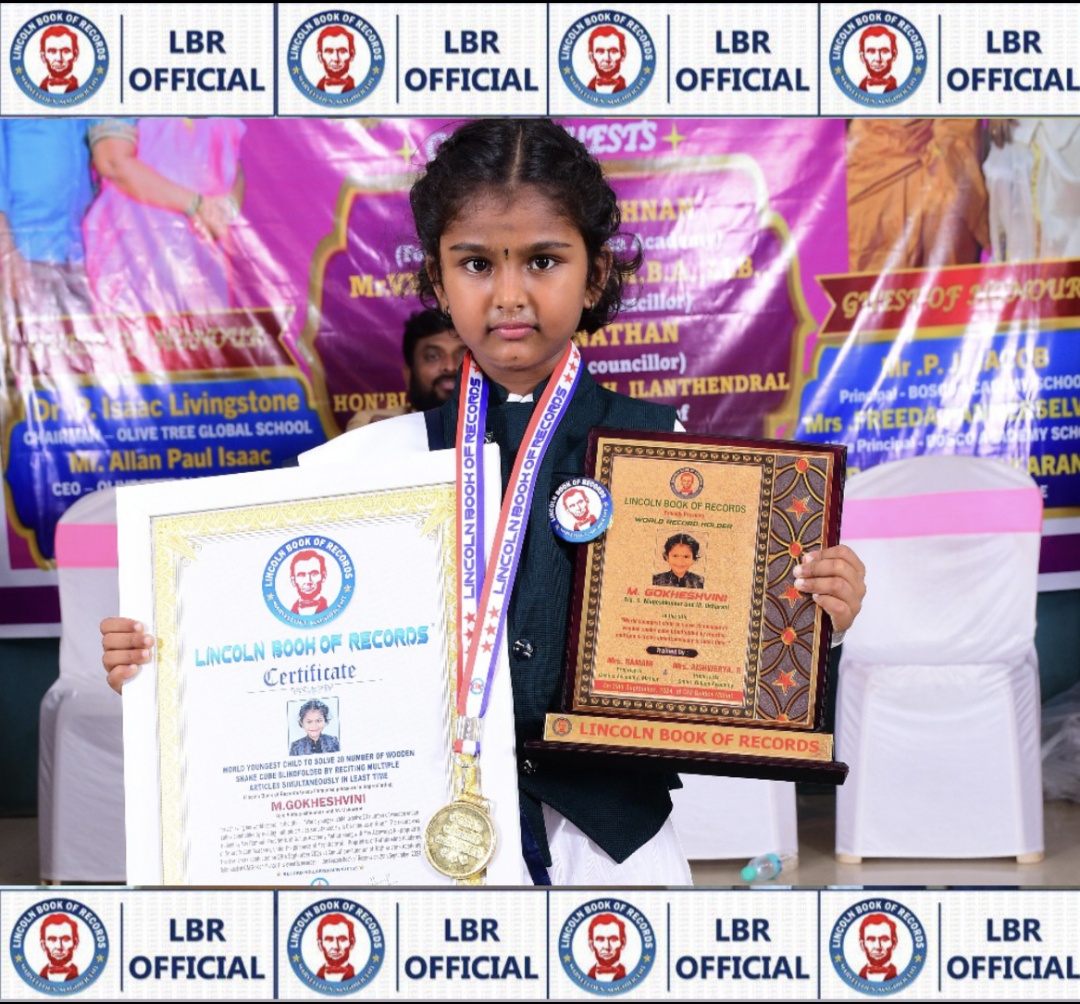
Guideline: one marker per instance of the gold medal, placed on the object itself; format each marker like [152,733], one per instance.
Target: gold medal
[460,839]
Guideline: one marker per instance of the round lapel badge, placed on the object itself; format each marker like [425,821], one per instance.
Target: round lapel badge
[580,510]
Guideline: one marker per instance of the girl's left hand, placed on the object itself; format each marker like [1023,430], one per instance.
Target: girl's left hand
[837,579]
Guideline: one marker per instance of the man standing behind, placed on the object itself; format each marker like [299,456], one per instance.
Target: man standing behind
[432,352]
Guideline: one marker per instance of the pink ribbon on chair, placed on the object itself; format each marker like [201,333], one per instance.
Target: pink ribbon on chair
[1008,510]
[86,545]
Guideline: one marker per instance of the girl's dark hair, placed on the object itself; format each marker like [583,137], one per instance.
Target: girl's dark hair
[314,705]
[682,538]
[510,152]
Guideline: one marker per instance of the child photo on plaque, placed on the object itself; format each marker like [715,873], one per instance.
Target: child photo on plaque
[682,552]
[520,235]
[311,719]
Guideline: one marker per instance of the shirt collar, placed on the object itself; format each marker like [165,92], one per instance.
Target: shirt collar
[500,395]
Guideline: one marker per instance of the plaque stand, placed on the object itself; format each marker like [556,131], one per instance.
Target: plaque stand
[766,768]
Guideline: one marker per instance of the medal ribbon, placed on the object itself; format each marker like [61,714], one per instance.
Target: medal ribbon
[470,504]
[484,592]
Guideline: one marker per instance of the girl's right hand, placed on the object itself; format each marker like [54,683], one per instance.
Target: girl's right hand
[125,647]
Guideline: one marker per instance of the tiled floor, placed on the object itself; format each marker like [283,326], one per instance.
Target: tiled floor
[18,852]
[817,866]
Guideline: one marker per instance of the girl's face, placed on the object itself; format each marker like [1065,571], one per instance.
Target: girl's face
[680,558]
[313,723]
[513,274]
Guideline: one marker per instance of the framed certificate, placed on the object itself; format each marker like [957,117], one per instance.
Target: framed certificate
[690,647]
[296,725]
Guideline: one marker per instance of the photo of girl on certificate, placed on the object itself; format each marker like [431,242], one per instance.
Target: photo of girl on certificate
[312,718]
[681,553]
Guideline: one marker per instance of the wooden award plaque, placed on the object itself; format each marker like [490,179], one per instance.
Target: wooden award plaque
[689,648]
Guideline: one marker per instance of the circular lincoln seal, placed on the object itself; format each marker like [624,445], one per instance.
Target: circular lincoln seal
[580,510]
[59,58]
[607,946]
[878,58]
[336,946]
[687,482]
[607,58]
[562,726]
[336,58]
[878,946]
[59,946]
[308,581]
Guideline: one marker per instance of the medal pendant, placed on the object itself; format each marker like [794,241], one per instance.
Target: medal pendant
[459,841]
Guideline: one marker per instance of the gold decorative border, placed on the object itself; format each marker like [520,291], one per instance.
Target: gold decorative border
[176,542]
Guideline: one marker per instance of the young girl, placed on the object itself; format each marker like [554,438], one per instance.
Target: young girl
[516,221]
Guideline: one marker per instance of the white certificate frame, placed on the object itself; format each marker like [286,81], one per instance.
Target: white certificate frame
[163,527]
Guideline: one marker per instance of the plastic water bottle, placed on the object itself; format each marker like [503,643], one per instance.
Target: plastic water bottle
[768,866]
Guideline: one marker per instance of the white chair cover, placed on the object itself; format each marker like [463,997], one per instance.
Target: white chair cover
[938,714]
[721,818]
[81,756]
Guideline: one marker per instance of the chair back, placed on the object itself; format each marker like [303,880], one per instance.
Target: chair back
[951,547]
[86,568]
